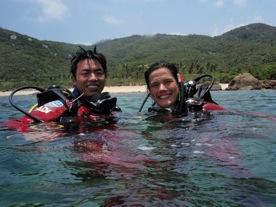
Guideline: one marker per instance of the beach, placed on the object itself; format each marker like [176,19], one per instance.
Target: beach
[25,92]
[125,89]
[110,89]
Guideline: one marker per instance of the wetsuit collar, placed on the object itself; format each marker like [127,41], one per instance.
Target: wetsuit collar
[75,92]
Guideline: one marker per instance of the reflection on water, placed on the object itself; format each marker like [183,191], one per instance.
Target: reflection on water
[226,160]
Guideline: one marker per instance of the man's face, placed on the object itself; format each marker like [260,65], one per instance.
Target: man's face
[90,77]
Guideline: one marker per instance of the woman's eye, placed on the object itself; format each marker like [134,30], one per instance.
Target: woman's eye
[168,81]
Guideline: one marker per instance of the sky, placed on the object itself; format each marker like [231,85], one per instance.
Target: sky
[91,21]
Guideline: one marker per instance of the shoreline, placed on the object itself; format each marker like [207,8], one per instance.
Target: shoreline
[110,89]
[125,89]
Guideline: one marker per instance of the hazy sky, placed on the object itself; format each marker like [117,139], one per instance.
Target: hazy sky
[90,21]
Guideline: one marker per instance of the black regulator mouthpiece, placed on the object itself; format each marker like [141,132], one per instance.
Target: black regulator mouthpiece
[191,88]
[194,104]
[103,103]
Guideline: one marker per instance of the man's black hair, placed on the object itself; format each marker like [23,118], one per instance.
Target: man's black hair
[87,54]
[161,64]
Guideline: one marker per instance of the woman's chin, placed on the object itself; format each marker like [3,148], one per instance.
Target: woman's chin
[165,104]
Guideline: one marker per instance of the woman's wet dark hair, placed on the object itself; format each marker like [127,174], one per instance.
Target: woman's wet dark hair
[87,54]
[161,64]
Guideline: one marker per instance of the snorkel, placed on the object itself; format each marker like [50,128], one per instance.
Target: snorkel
[182,97]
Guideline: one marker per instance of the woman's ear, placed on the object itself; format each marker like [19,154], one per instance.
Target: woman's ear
[148,92]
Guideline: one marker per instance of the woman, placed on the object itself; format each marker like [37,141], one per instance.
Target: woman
[164,87]
[171,94]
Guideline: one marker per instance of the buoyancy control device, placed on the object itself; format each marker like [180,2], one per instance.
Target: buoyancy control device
[55,102]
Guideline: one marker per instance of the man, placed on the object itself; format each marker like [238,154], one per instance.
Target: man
[88,73]
[86,104]
[88,70]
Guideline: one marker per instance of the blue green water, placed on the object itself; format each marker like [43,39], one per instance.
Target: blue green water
[229,160]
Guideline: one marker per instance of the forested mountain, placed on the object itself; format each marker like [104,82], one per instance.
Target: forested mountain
[252,48]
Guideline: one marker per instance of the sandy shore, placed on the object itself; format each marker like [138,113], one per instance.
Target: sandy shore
[125,89]
[130,89]
[110,89]
[25,92]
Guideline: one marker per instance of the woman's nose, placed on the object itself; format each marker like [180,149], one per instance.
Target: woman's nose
[162,86]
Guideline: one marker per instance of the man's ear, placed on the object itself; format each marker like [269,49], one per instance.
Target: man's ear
[73,78]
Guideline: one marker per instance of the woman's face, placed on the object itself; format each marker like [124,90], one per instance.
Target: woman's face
[163,87]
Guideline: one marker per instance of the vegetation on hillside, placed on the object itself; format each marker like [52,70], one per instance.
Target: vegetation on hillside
[252,48]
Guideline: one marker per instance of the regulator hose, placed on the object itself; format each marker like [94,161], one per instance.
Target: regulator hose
[20,109]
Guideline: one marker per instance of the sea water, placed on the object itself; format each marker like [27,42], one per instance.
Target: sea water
[227,160]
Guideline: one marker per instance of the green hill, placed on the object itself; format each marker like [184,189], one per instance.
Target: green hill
[252,48]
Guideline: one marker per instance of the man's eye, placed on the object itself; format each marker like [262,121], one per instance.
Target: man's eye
[85,73]
[99,73]
[154,85]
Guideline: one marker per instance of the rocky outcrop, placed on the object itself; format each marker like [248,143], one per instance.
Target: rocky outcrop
[268,84]
[244,81]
